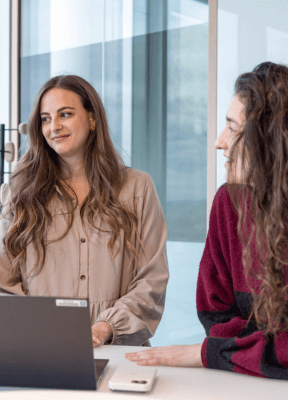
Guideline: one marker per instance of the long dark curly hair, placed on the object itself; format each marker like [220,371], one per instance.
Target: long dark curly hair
[38,174]
[262,197]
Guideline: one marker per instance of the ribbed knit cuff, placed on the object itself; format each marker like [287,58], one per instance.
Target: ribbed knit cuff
[204,353]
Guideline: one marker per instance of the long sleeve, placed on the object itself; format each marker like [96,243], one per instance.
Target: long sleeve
[224,303]
[135,316]
[9,284]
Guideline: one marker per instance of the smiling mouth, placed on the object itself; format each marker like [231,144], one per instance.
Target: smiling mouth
[60,137]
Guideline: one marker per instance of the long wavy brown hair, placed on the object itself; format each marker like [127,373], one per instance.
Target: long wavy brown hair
[262,199]
[38,174]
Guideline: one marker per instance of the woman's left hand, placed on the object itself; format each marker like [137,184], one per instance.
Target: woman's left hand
[101,332]
[174,356]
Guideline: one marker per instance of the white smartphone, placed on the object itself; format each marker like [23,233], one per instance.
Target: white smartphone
[133,378]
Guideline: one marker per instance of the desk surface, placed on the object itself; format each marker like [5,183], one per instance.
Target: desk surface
[171,383]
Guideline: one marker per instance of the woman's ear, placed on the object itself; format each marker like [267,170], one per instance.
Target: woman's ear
[92,123]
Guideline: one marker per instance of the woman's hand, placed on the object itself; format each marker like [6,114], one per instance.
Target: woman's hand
[174,356]
[101,332]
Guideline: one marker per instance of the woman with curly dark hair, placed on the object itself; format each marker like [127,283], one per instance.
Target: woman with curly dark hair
[77,223]
[242,290]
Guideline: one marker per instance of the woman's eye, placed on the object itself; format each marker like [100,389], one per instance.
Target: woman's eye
[44,120]
[232,130]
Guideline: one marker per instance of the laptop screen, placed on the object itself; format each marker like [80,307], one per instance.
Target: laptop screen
[46,342]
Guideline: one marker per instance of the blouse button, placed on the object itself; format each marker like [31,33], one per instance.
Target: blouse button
[83,277]
[83,240]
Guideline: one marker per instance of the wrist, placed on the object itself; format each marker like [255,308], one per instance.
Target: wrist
[200,363]
[106,329]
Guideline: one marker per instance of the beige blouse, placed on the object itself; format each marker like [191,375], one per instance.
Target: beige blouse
[80,266]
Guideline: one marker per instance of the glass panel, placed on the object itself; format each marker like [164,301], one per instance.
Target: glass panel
[5,74]
[149,63]
[186,132]
[249,33]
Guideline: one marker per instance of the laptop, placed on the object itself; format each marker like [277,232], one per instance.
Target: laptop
[46,342]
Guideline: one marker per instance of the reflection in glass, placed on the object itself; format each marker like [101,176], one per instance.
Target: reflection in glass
[149,63]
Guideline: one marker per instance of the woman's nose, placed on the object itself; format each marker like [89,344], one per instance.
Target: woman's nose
[55,125]
[221,142]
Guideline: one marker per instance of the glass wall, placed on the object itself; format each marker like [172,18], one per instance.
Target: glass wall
[249,33]
[4,73]
[149,63]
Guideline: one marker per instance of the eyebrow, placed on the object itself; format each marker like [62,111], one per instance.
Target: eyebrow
[60,109]
[232,120]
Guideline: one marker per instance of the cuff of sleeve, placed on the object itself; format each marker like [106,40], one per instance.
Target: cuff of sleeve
[114,332]
[204,353]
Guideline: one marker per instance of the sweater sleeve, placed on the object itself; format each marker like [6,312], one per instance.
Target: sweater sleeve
[224,303]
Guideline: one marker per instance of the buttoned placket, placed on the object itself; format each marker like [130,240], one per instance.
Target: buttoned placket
[83,290]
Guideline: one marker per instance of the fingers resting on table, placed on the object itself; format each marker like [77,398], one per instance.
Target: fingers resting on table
[174,356]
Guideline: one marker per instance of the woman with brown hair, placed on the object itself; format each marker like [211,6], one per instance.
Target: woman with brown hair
[77,223]
[242,289]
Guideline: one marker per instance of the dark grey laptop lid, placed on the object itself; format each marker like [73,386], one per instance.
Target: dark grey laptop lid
[46,343]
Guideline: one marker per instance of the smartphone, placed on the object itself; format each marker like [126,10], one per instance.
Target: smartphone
[133,378]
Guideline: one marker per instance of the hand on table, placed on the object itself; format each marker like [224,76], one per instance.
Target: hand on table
[101,332]
[174,356]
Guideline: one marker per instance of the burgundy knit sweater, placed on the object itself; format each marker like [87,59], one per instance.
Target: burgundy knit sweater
[224,301]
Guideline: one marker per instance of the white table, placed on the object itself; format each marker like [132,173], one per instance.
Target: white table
[171,383]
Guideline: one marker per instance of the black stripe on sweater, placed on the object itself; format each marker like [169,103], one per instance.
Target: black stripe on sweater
[210,318]
[244,302]
[220,352]
[270,365]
